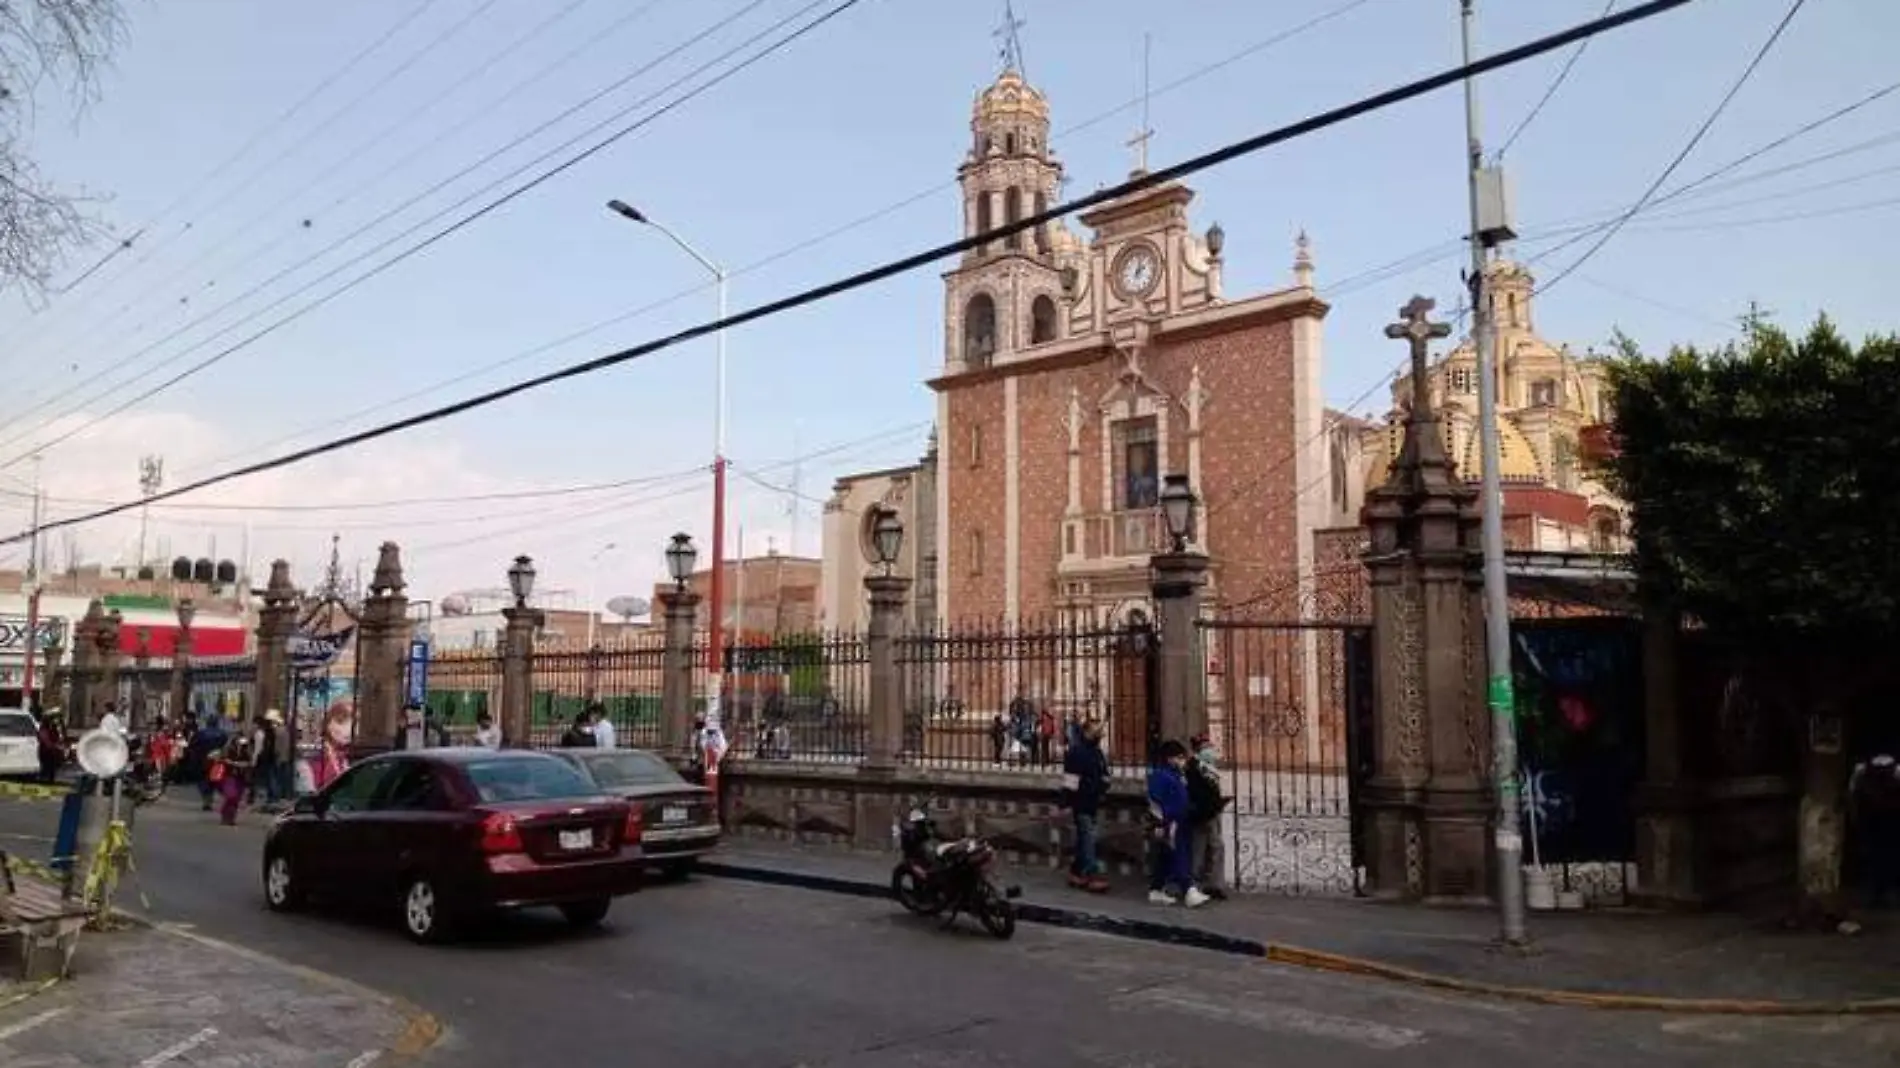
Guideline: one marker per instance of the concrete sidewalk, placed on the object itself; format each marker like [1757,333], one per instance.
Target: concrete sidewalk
[1620,958]
[156,996]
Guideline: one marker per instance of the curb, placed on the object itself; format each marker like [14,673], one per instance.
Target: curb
[422,1029]
[1339,964]
[32,991]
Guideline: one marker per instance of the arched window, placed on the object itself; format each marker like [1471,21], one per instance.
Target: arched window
[1042,320]
[979,330]
[1013,212]
[983,221]
[1510,304]
[1009,144]
[1605,532]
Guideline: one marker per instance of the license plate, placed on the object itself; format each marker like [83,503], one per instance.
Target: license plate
[577,839]
[673,814]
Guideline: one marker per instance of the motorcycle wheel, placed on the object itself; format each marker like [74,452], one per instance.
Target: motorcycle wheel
[998,916]
[911,894]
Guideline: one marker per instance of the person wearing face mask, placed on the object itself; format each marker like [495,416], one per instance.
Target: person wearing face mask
[1205,802]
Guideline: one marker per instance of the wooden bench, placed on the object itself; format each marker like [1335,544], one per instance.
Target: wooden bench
[39,927]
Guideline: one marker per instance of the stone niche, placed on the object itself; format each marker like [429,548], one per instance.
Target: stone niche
[1020,813]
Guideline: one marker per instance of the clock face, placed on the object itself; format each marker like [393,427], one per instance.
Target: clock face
[1137,271]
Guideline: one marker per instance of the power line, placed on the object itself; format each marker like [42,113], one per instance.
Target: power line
[449,230]
[195,188]
[1233,150]
[1701,131]
[836,231]
[1555,83]
[418,150]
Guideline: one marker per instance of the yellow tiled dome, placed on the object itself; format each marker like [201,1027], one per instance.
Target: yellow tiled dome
[1517,461]
[1011,97]
[1391,441]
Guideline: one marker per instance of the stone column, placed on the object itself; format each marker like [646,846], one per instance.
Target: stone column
[105,693]
[85,665]
[1178,581]
[52,691]
[180,689]
[276,622]
[382,651]
[680,608]
[137,716]
[1668,849]
[1427,801]
[888,595]
[517,675]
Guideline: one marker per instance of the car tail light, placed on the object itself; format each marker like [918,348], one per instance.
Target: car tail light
[636,826]
[500,835]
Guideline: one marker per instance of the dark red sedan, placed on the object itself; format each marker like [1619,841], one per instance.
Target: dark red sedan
[451,834]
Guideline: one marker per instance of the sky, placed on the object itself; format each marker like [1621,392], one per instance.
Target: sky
[267,155]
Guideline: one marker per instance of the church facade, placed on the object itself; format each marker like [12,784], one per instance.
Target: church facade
[1080,369]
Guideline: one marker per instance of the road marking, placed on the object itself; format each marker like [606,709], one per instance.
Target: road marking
[30,1023]
[179,1049]
[1269,1017]
[365,1060]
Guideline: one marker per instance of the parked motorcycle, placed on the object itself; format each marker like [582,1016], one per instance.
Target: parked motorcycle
[949,878]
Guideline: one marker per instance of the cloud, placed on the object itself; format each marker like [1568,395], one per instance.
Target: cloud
[447,545]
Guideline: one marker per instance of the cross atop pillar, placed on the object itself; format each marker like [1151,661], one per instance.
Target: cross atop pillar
[1423,448]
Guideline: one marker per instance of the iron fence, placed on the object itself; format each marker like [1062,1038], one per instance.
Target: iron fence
[1013,696]
[223,688]
[1288,703]
[624,679]
[464,685]
[798,697]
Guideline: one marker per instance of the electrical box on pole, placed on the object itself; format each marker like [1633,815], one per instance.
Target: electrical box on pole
[1495,214]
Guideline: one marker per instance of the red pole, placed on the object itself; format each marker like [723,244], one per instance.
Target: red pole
[32,640]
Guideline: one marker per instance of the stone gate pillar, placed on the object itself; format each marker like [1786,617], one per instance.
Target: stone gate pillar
[179,688]
[1179,579]
[681,608]
[105,693]
[382,651]
[888,595]
[517,674]
[276,622]
[1428,799]
[85,670]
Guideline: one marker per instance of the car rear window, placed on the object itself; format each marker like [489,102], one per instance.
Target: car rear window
[519,779]
[16,725]
[630,768]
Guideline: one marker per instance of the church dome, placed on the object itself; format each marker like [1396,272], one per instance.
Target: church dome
[1517,460]
[1010,98]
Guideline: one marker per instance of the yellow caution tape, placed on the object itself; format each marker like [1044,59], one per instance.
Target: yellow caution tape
[21,791]
[22,866]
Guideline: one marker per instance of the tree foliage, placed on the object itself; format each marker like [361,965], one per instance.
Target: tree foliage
[45,44]
[1763,479]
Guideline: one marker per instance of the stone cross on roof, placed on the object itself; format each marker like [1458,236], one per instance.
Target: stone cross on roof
[1421,460]
[1415,328]
[1011,51]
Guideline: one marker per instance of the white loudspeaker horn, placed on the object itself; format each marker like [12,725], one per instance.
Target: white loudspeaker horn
[103,754]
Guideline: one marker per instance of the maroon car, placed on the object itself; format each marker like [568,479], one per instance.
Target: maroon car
[451,834]
[680,820]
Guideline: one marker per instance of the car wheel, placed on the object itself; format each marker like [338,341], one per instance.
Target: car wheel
[425,916]
[587,913]
[282,891]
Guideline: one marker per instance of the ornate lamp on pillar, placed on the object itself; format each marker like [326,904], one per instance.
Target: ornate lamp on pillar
[517,656]
[1179,576]
[180,702]
[680,607]
[888,595]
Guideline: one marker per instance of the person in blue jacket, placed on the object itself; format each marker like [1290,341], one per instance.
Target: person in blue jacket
[1168,809]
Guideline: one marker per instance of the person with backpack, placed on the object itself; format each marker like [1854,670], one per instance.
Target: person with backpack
[1085,784]
[1171,868]
[1205,804]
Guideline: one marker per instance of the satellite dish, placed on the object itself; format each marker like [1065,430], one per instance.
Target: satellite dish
[628,607]
[455,604]
[102,754]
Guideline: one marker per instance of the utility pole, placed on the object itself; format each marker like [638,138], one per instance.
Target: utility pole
[33,572]
[151,480]
[1490,223]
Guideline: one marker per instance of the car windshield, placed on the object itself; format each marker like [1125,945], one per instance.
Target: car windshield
[526,779]
[16,725]
[630,768]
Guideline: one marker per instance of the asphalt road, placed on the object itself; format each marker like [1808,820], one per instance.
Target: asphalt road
[717,973]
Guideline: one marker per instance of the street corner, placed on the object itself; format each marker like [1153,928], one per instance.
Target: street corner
[162,995]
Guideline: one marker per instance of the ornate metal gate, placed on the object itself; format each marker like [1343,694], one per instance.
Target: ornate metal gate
[1289,704]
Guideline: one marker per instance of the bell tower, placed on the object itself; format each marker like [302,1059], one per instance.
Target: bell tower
[1004,296]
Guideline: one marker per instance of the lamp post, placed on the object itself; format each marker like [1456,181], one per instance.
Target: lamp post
[887,596]
[521,580]
[887,537]
[680,557]
[715,651]
[1177,511]
[593,590]
[181,660]
[1177,579]
[517,659]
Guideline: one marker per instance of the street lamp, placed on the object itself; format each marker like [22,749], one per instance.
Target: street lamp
[887,537]
[715,652]
[680,556]
[521,580]
[1177,510]
[593,575]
